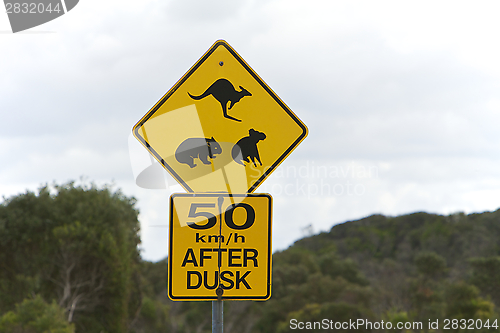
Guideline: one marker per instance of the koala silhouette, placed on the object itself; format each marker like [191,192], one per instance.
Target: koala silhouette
[201,148]
[246,148]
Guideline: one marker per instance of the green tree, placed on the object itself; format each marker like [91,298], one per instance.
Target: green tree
[486,276]
[430,264]
[154,315]
[36,316]
[76,245]
[463,302]
[427,288]
[312,287]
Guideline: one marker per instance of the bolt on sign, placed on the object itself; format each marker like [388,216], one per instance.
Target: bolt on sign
[219,243]
[220,128]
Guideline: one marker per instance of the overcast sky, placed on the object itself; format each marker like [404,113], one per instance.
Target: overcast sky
[401,99]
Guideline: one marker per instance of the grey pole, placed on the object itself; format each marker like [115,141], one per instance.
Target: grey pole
[217,306]
[217,316]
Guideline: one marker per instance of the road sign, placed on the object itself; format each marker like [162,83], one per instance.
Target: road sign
[219,241]
[220,127]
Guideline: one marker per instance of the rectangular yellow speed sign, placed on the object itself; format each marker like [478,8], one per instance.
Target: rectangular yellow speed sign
[219,243]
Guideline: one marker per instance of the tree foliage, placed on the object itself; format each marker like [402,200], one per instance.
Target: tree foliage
[486,276]
[77,246]
[73,251]
[36,316]
[410,268]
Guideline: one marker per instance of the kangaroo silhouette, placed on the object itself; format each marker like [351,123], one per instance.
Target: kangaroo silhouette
[201,148]
[223,91]
[246,148]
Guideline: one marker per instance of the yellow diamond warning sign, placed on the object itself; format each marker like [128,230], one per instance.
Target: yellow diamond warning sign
[220,127]
[219,243]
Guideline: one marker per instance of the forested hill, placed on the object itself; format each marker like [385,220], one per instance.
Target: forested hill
[410,268]
[414,262]
[378,241]
[69,262]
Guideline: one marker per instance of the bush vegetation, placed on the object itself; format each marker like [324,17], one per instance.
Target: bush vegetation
[70,262]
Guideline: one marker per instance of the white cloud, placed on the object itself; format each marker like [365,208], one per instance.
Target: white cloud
[408,88]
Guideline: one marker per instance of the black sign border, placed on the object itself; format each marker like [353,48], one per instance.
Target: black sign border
[171,245]
[158,105]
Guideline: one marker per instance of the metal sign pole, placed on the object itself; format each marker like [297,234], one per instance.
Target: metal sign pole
[217,316]
[217,307]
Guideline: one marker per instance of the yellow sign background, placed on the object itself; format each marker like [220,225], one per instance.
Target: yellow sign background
[178,117]
[247,247]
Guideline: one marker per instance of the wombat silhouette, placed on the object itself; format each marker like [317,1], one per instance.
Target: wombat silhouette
[201,148]
[246,148]
[223,91]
